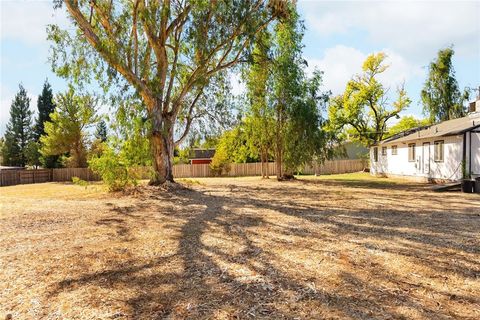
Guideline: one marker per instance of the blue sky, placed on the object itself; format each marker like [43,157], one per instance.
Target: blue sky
[339,36]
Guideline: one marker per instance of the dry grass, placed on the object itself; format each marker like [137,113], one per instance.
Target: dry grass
[335,247]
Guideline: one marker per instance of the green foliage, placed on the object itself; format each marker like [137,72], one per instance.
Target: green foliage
[297,101]
[127,150]
[114,170]
[2,143]
[406,123]
[441,96]
[234,142]
[164,54]
[364,106]
[45,107]
[66,132]
[131,134]
[259,123]
[101,131]
[32,153]
[18,133]
[79,182]
[220,164]
[183,156]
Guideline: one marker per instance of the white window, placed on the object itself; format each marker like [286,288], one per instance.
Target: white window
[384,151]
[438,151]
[375,154]
[394,150]
[411,152]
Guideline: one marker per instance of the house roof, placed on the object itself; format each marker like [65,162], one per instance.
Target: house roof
[202,153]
[445,128]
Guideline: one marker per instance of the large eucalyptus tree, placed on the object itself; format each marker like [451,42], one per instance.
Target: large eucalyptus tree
[164,52]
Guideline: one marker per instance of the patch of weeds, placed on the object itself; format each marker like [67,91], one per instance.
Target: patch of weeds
[79,182]
[192,182]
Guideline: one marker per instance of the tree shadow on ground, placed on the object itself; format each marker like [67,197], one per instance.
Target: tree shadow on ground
[220,234]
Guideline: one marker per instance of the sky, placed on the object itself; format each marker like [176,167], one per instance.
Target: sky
[339,36]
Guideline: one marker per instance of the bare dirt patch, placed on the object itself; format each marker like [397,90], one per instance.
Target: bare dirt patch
[336,247]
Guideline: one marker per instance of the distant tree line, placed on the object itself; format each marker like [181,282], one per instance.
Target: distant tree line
[58,136]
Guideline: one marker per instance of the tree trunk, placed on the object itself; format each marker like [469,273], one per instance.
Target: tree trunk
[162,146]
[278,162]
[264,162]
[279,145]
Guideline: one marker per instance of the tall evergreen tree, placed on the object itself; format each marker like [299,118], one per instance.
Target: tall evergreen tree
[101,131]
[441,96]
[45,106]
[19,132]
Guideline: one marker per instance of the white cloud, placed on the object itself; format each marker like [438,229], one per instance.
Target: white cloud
[414,28]
[26,21]
[340,63]
[238,85]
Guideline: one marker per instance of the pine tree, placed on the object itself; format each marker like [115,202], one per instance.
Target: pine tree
[45,107]
[19,132]
[101,131]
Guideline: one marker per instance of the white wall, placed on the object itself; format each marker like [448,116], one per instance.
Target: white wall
[449,169]
[476,154]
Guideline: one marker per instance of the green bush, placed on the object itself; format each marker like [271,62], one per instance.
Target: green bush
[79,182]
[114,171]
[220,164]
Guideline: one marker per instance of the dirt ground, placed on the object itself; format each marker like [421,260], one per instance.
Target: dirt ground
[332,247]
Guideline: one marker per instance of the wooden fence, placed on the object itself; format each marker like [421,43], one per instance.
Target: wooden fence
[13,177]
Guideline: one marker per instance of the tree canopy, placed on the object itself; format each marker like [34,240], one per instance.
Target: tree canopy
[19,132]
[45,107]
[441,96]
[364,106]
[66,132]
[406,123]
[164,53]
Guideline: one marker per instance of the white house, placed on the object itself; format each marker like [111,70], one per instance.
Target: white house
[441,152]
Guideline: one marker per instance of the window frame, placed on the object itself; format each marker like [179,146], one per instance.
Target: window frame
[414,154]
[375,154]
[435,144]
[384,149]
[394,150]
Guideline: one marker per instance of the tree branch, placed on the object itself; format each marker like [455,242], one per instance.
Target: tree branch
[95,41]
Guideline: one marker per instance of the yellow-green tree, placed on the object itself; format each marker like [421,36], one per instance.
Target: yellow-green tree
[364,106]
[406,123]
[66,132]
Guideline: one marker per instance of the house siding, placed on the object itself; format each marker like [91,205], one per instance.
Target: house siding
[423,167]
[476,154]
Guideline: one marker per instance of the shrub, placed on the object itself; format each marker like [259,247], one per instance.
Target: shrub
[220,163]
[79,182]
[114,171]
